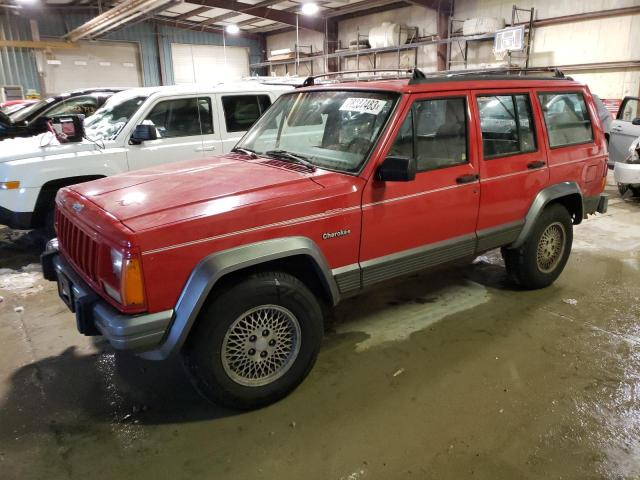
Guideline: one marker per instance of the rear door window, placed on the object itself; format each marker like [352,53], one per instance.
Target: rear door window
[241,111]
[567,118]
[507,125]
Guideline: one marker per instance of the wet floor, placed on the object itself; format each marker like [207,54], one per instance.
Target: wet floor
[442,376]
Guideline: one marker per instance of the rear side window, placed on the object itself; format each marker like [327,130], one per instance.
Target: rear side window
[566,118]
[630,110]
[507,125]
[434,133]
[241,111]
[182,117]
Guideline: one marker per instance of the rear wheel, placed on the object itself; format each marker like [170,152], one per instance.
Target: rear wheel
[541,259]
[255,341]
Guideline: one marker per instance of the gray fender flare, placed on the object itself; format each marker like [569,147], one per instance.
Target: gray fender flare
[215,266]
[543,197]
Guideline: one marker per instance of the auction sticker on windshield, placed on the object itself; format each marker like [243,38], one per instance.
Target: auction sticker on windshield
[363,105]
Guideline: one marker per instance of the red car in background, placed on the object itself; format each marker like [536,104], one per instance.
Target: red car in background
[12,106]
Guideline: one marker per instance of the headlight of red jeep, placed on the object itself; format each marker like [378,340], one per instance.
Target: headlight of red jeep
[127,274]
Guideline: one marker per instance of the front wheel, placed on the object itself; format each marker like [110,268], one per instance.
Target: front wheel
[540,261]
[255,342]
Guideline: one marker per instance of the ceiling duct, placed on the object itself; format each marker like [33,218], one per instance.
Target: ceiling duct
[122,14]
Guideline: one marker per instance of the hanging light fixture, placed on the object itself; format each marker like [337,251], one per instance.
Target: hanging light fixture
[233,29]
[309,8]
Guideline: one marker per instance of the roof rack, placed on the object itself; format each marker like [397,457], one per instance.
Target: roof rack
[487,73]
[417,76]
[414,72]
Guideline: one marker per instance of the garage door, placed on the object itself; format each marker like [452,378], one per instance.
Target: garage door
[95,64]
[206,63]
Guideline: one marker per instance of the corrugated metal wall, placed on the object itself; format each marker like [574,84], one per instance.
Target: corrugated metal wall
[17,65]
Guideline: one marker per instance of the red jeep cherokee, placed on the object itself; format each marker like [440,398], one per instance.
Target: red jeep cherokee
[230,259]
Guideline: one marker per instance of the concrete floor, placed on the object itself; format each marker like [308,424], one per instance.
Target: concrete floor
[454,375]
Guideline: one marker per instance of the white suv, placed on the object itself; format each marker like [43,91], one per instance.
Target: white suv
[136,128]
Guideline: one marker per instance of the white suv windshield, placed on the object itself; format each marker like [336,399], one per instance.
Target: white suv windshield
[107,122]
[329,129]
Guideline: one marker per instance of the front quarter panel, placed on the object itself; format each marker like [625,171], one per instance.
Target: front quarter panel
[212,268]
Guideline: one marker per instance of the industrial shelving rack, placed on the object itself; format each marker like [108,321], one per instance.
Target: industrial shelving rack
[414,43]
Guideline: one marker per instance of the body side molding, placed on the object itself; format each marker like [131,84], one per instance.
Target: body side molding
[213,267]
[543,197]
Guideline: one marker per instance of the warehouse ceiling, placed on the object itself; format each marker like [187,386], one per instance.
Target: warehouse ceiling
[251,16]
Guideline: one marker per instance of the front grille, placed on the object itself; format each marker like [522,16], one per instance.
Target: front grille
[81,249]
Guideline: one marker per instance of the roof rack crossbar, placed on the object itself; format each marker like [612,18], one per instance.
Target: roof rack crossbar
[417,76]
[414,72]
[557,73]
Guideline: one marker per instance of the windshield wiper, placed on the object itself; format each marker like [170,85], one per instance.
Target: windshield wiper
[246,151]
[293,157]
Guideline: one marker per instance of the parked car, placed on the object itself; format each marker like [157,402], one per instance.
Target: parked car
[605,118]
[624,130]
[13,106]
[31,120]
[231,260]
[136,128]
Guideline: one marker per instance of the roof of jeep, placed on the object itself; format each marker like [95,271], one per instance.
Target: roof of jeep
[439,84]
[231,87]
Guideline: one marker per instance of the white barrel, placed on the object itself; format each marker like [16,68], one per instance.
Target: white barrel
[387,35]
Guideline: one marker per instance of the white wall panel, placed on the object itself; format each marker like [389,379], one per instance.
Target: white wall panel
[610,39]
[94,64]
[208,63]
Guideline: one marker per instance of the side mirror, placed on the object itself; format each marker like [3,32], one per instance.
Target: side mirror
[142,133]
[397,169]
[635,121]
[68,128]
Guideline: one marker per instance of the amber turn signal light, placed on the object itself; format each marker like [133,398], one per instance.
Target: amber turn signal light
[12,185]
[132,285]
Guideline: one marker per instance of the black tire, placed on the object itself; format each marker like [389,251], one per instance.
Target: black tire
[622,189]
[523,264]
[635,191]
[48,228]
[213,375]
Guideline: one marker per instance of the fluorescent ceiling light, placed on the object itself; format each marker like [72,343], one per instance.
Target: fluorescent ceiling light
[309,8]
[233,29]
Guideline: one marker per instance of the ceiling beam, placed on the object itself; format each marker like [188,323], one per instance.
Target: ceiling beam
[262,11]
[192,13]
[444,5]
[187,25]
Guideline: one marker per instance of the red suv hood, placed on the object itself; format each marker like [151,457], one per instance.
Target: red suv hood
[158,196]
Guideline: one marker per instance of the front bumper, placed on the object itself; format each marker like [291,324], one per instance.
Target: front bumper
[94,316]
[627,173]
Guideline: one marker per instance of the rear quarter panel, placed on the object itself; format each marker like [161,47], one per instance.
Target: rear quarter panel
[584,163]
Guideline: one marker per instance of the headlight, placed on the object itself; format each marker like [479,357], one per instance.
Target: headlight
[127,271]
[116,263]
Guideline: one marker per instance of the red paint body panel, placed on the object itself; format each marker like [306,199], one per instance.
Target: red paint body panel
[177,214]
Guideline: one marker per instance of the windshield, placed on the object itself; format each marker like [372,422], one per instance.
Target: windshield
[24,113]
[111,118]
[11,109]
[329,129]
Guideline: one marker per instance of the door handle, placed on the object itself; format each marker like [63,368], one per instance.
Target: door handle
[616,129]
[205,149]
[534,165]
[467,178]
